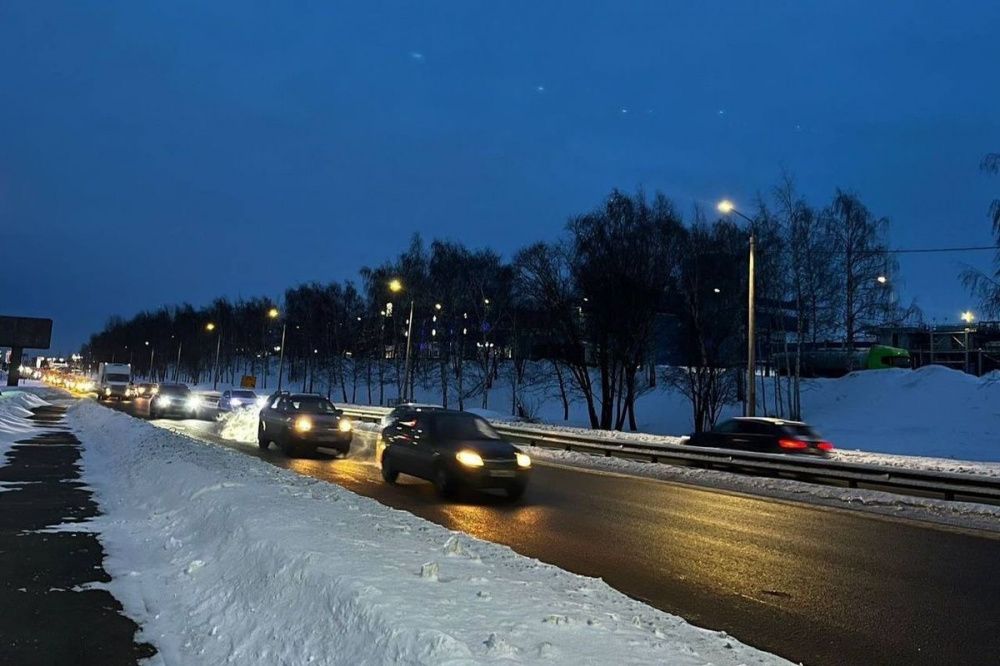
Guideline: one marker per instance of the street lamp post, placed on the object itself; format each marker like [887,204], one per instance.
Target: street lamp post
[152,355]
[726,207]
[273,314]
[177,368]
[968,317]
[396,286]
[218,347]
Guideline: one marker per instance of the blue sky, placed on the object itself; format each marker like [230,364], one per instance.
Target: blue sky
[160,152]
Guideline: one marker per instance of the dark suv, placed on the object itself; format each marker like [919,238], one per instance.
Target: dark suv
[171,400]
[764,435]
[300,423]
[451,449]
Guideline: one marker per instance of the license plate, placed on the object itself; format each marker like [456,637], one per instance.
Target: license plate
[502,473]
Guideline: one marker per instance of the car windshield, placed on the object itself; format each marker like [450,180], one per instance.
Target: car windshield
[116,378]
[176,390]
[462,426]
[248,395]
[313,405]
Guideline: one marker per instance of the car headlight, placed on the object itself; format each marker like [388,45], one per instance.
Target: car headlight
[523,461]
[469,458]
[107,391]
[344,425]
[163,400]
[303,424]
[235,402]
[194,402]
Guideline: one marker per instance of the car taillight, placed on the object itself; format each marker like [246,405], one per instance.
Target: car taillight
[825,446]
[792,444]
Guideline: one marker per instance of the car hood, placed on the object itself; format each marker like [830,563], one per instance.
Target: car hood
[489,449]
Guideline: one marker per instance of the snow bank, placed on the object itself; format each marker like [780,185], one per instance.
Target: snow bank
[932,411]
[15,410]
[224,558]
[240,425]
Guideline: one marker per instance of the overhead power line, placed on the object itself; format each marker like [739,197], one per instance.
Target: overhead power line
[925,250]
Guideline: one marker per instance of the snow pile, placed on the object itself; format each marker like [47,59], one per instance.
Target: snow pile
[932,411]
[15,411]
[224,558]
[239,425]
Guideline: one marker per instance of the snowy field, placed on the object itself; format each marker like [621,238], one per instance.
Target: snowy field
[224,558]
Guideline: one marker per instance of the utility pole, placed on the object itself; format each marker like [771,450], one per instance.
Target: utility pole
[177,368]
[218,347]
[407,389]
[281,350]
[751,339]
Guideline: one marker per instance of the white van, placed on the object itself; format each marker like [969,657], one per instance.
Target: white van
[113,381]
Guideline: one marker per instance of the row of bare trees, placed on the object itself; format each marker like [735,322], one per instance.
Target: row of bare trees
[586,316]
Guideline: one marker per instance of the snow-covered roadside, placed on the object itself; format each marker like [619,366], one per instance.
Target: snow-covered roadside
[224,558]
[15,410]
[957,514]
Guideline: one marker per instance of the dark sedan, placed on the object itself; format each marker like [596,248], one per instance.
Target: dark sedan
[301,423]
[764,435]
[165,400]
[234,399]
[452,449]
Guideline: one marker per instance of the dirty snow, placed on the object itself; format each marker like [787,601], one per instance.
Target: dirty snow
[223,558]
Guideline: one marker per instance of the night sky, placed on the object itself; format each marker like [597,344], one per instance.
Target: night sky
[161,152]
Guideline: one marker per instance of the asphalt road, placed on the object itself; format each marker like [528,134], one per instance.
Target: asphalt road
[814,585]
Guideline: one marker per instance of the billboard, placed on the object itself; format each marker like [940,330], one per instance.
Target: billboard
[29,332]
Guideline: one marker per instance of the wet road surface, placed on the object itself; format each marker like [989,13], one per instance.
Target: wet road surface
[812,584]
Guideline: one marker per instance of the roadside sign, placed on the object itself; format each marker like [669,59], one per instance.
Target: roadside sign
[25,332]
[248,381]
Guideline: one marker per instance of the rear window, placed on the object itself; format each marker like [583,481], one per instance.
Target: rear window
[803,431]
[460,426]
[116,378]
[312,405]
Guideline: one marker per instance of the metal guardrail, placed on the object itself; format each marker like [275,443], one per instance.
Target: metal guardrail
[950,485]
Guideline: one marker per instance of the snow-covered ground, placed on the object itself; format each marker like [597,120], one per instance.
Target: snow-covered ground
[15,408]
[224,558]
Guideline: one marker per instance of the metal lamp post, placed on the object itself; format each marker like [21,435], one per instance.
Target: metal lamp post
[273,313]
[726,207]
[218,347]
[396,286]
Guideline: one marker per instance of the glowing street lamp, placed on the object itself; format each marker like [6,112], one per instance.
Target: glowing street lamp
[881,279]
[968,316]
[274,313]
[218,346]
[727,207]
[396,286]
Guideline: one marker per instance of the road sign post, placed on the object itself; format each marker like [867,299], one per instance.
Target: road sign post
[20,333]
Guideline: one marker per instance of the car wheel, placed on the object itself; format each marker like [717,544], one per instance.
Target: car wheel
[389,475]
[290,450]
[516,491]
[263,443]
[443,483]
